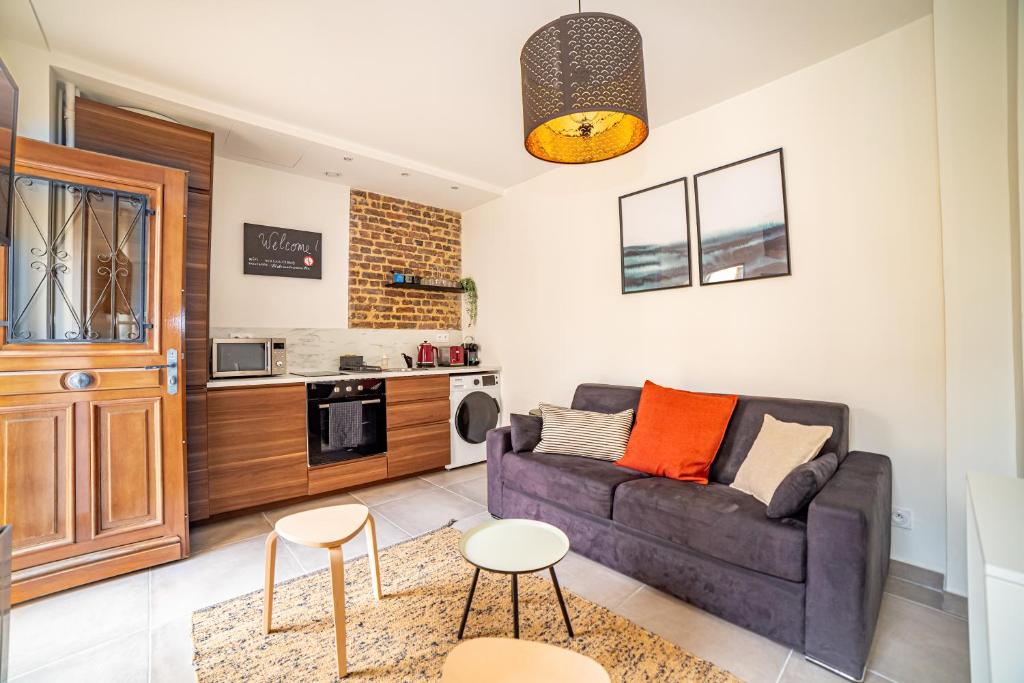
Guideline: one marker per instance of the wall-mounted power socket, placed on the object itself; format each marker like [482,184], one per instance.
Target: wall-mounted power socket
[442,338]
[903,518]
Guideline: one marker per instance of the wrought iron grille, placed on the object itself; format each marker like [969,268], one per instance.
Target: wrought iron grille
[77,264]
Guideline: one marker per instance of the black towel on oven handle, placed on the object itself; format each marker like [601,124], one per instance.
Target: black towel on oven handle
[345,425]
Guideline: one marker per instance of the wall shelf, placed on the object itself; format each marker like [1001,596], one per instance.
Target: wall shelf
[429,288]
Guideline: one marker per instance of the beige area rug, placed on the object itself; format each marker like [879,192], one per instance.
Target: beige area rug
[406,636]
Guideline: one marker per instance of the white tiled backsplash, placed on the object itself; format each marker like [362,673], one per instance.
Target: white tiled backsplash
[318,349]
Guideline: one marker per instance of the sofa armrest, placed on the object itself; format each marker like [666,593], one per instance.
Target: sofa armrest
[499,442]
[848,535]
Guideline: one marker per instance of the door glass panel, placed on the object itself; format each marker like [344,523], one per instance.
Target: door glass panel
[77,264]
[477,414]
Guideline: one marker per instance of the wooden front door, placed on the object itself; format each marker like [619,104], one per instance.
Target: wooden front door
[92,461]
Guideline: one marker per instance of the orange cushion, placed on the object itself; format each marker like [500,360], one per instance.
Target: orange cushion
[677,433]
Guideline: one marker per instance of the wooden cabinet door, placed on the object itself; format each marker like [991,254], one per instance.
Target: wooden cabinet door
[257,445]
[102,128]
[418,449]
[196,438]
[37,467]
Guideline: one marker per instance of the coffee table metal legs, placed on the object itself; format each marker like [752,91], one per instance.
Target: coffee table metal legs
[561,602]
[469,601]
[515,603]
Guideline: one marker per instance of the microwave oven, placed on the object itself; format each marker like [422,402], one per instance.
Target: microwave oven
[250,357]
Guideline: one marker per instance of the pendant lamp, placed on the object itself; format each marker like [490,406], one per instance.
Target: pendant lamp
[584,96]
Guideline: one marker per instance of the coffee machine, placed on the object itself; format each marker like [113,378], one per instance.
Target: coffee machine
[472,351]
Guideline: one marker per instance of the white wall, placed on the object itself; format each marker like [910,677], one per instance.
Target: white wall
[246,193]
[31,70]
[974,87]
[860,320]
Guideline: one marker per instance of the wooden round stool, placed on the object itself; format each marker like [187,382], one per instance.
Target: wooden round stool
[329,528]
[508,660]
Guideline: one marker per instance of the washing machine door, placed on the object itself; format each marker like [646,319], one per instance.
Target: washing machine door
[476,415]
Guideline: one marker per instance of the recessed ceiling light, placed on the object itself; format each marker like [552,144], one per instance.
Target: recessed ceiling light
[454,187]
[332,174]
[406,174]
[347,158]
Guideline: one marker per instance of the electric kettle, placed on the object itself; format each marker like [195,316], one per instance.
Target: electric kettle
[426,355]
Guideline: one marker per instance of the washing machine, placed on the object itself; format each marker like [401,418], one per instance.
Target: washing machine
[475,409]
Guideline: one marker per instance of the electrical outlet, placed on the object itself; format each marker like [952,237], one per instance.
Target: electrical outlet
[442,338]
[903,518]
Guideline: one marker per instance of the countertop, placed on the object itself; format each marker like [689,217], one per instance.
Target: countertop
[387,374]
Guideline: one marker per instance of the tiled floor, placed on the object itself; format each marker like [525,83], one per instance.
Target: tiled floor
[136,628]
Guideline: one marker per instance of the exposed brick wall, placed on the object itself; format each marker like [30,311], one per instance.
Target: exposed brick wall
[386,234]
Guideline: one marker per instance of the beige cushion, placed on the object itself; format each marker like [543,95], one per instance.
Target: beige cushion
[780,447]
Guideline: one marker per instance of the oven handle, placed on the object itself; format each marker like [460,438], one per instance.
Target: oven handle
[325,406]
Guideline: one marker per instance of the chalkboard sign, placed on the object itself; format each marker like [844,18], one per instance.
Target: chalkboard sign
[281,252]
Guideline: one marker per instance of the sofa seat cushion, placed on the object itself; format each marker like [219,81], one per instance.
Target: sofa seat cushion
[583,484]
[715,520]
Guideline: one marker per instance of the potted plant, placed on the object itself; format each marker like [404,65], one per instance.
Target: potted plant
[468,285]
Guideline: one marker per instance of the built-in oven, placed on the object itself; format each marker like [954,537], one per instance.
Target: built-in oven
[346,420]
[248,357]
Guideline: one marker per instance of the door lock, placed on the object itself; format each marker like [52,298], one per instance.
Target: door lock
[172,370]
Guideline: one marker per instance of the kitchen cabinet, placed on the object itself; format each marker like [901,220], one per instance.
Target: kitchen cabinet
[256,440]
[254,447]
[418,430]
[418,449]
[197,446]
[405,389]
[110,130]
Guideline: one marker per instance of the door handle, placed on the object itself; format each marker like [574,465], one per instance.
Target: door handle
[172,370]
[79,380]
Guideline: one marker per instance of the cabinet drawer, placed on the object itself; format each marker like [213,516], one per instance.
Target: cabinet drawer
[417,412]
[417,449]
[346,474]
[260,481]
[402,389]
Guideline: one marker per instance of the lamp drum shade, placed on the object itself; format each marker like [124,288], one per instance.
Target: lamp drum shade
[584,95]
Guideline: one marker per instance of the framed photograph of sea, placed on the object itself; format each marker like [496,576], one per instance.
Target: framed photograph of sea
[742,227]
[654,228]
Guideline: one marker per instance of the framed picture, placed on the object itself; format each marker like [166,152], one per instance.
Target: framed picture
[742,227]
[281,253]
[654,228]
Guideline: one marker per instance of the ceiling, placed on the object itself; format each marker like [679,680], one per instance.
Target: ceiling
[428,87]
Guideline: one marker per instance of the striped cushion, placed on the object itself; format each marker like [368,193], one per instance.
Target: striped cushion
[580,432]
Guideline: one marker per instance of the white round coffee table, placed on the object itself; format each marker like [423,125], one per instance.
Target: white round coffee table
[514,546]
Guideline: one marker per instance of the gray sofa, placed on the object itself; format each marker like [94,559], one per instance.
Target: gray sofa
[812,582]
